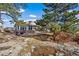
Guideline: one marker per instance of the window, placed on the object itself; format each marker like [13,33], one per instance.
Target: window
[30,27]
[20,27]
[25,28]
[16,27]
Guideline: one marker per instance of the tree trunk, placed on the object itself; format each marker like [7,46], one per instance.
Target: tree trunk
[1,28]
[0,15]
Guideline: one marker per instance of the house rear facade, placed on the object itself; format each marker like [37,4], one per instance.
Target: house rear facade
[22,27]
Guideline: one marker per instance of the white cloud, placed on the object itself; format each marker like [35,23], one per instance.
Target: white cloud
[77,16]
[33,16]
[30,20]
[6,20]
[70,10]
[21,10]
[3,12]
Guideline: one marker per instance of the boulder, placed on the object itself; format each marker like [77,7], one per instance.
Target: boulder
[44,51]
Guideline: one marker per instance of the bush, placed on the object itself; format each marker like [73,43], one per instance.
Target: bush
[55,27]
[76,37]
[63,37]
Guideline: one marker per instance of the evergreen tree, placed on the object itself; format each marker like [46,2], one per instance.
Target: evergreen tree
[59,15]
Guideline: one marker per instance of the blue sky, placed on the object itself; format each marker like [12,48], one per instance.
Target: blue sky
[31,11]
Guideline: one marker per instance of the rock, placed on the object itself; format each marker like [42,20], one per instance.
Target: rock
[43,51]
[12,45]
[9,30]
[60,54]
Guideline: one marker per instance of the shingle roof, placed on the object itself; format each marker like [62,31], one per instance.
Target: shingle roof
[22,23]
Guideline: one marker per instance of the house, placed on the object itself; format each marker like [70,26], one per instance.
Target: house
[22,27]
